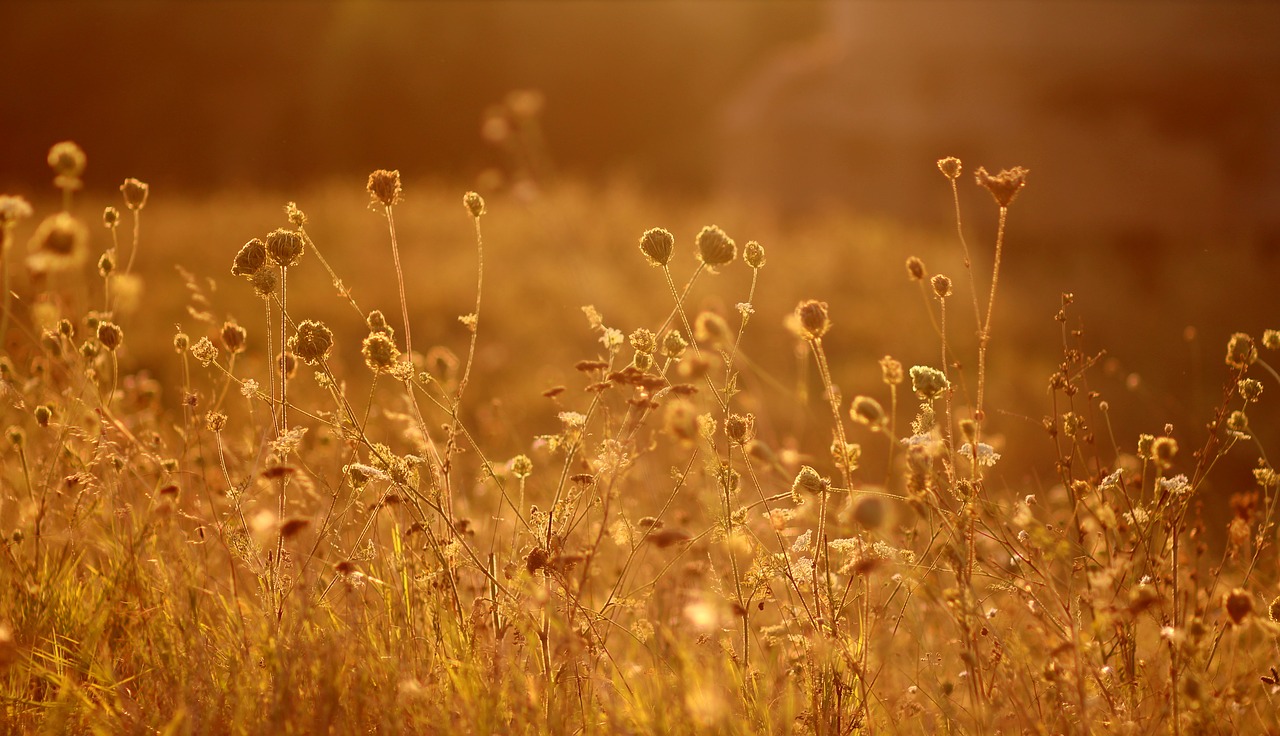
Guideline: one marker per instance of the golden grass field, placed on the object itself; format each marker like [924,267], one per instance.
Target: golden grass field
[676,466]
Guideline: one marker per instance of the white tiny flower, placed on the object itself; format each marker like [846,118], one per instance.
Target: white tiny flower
[248,388]
[987,455]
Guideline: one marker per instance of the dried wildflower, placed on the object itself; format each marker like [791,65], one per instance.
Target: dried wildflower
[135,194]
[868,411]
[950,167]
[1241,352]
[740,428]
[714,247]
[809,480]
[474,204]
[107,263]
[284,247]
[110,218]
[379,351]
[234,337]
[248,388]
[1004,187]
[674,344]
[1145,443]
[312,342]
[987,456]
[1239,604]
[928,383]
[110,335]
[384,187]
[67,161]
[643,341]
[915,268]
[1238,422]
[1163,450]
[43,413]
[13,209]
[869,512]
[657,244]
[59,243]
[377,322]
[890,371]
[16,436]
[753,255]
[295,216]
[941,286]
[1250,390]
[521,466]
[1273,610]
[264,283]
[215,421]
[813,318]
[204,351]
[1177,485]
[250,259]
[1270,338]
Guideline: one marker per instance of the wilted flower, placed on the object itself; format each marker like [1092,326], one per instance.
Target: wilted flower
[1004,187]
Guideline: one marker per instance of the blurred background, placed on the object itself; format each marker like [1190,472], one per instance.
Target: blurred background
[1152,132]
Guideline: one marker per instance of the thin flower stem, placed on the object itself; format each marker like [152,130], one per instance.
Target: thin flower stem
[404,304]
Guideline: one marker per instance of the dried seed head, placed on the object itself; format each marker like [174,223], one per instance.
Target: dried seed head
[295,216]
[1145,443]
[674,344]
[384,187]
[1250,389]
[657,244]
[809,480]
[928,383]
[216,421]
[753,255]
[16,436]
[643,341]
[204,351]
[107,263]
[284,247]
[59,243]
[1163,451]
[868,411]
[891,371]
[915,268]
[264,283]
[941,286]
[135,194]
[1238,422]
[288,363]
[293,526]
[377,322]
[234,337]
[1270,338]
[312,342]
[251,258]
[110,335]
[43,413]
[950,167]
[1239,604]
[1241,352]
[740,428]
[474,204]
[714,247]
[110,217]
[379,351]
[1273,610]
[1004,187]
[869,512]
[13,209]
[67,161]
[814,321]
[521,466]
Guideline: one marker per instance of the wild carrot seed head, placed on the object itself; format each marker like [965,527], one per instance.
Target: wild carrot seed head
[312,342]
[284,247]
[384,187]
[915,269]
[928,383]
[715,248]
[295,216]
[250,259]
[1241,352]
[868,411]
[1004,187]
[950,167]
[891,371]
[657,244]
[264,283]
[941,286]
[135,193]
[814,320]
[474,204]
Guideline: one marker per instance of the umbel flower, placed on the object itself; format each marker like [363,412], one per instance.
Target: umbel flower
[312,342]
[1003,186]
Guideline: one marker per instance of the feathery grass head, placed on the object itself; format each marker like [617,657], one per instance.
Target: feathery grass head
[384,187]
[657,245]
[67,160]
[813,318]
[1241,352]
[474,204]
[715,248]
[13,209]
[60,243]
[284,247]
[250,259]
[1004,187]
[135,193]
[950,167]
[312,342]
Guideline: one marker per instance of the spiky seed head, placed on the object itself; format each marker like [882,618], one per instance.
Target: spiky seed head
[284,247]
[295,216]
[941,286]
[216,421]
[753,255]
[379,351]
[1239,604]
[657,244]
[814,320]
[1004,187]
[740,428]
[59,243]
[1163,450]
[384,187]
[950,167]
[868,411]
[67,160]
[312,342]
[474,204]
[234,337]
[928,383]
[915,268]
[869,512]
[13,209]
[110,217]
[264,283]
[891,371]
[135,193]
[1241,352]
[110,335]
[674,344]
[250,259]
[107,263]
[715,248]
[521,466]
[43,414]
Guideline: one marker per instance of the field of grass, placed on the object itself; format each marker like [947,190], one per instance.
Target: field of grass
[578,461]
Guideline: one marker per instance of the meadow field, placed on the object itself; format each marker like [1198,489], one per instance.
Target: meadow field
[390,456]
